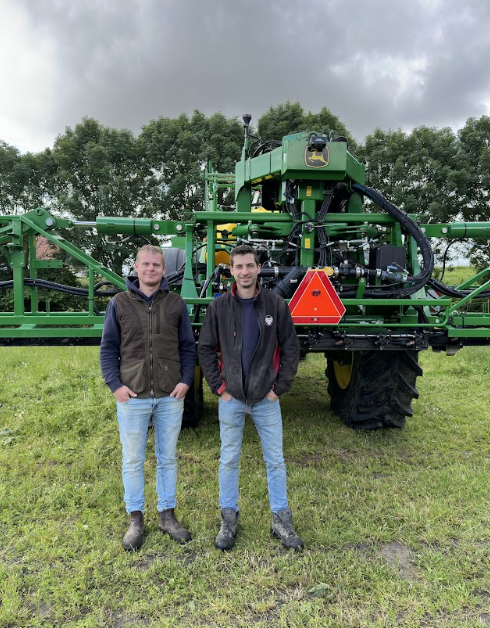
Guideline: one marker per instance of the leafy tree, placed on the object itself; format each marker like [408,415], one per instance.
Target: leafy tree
[35,173]
[23,186]
[176,152]
[10,187]
[94,170]
[25,180]
[472,181]
[97,172]
[415,170]
[222,148]
[281,120]
[288,118]
[170,150]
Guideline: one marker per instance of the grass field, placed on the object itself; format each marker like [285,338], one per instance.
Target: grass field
[396,523]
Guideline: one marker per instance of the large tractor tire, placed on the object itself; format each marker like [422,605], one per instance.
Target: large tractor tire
[371,390]
[194,401]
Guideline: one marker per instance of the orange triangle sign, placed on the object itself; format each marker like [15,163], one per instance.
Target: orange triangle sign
[315,302]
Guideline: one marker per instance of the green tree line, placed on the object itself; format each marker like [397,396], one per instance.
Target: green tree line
[96,170]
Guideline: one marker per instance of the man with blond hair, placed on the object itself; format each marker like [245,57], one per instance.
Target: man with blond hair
[147,357]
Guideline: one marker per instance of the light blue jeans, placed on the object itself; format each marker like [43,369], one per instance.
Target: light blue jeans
[134,419]
[266,416]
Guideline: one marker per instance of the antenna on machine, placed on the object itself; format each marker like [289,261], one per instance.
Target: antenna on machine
[246,123]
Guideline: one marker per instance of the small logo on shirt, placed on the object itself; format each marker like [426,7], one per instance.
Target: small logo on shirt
[269,320]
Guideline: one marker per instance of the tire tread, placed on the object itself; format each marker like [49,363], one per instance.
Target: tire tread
[381,390]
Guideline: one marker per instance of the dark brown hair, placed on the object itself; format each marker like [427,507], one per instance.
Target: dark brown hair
[244,249]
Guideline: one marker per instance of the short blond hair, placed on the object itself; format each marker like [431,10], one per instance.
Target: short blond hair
[152,250]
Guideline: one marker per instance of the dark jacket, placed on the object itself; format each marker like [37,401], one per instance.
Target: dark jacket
[275,361]
[147,343]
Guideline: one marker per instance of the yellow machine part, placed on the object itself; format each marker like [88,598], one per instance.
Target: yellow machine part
[222,256]
[343,374]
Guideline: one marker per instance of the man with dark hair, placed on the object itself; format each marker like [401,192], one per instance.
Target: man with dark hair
[147,357]
[249,353]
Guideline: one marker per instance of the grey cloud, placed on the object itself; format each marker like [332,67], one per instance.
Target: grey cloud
[126,62]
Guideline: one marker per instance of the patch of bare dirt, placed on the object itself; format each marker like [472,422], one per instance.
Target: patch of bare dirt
[398,557]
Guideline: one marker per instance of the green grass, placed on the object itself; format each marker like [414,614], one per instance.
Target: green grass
[396,523]
[456,275]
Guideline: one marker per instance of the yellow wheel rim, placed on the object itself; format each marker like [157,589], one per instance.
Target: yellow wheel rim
[343,374]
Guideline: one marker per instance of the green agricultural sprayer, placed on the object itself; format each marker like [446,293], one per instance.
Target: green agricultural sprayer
[358,272]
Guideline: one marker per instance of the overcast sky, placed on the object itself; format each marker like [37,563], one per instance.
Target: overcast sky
[373,63]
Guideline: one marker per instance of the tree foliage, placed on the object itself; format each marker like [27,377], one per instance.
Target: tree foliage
[472,181]
[288,118]
[97,172]
[177,150]
[94,170]
[415,170]
[25,180]
[10,185]
[434,172]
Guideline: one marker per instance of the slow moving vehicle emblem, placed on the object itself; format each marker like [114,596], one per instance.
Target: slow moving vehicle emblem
[316,302]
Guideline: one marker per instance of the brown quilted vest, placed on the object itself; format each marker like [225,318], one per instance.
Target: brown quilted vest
[149,350]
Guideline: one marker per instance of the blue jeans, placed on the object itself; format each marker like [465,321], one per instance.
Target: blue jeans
[266,416]
[134,419]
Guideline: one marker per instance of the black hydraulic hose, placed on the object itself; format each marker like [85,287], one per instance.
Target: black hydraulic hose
[322,234]
[213,276]
[51,285]
[275,271]
[286,287]
[421,315]
[105,283]
[419,280]
[266,147]
[370,272]
[175,277]
[292,208]
[453,292]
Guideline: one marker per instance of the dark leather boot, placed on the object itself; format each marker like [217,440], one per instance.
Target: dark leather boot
[169,524]
[227,532]
[133,539]
[282,528]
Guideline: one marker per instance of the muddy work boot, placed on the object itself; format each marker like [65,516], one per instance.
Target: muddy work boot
[282,528]
[169,524]
[133,539]
[227,532]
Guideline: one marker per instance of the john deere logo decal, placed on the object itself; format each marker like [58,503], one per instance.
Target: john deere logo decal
[317,158]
